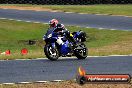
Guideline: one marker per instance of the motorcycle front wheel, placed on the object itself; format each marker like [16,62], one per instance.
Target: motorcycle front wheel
[51,53]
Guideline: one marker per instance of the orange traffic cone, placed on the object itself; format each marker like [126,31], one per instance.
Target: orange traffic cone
[24,51]
[7,52]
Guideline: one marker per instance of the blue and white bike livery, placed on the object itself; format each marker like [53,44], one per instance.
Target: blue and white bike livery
[59,45]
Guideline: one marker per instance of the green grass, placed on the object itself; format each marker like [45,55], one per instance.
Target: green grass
[91,9]
[15,35]
[96,9]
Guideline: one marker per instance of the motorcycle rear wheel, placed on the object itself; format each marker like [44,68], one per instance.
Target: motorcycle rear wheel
[81,53]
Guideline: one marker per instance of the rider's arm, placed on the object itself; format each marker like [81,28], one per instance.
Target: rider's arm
[60,28]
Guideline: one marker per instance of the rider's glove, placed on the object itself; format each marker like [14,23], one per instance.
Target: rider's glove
[44,37]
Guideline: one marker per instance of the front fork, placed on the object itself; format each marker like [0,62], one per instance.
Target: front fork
[52,49]
[53,45]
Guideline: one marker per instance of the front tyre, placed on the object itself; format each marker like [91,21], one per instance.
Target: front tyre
[81,51]
[51,53]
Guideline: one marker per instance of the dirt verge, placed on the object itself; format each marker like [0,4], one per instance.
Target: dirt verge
[27,8]
[67,84]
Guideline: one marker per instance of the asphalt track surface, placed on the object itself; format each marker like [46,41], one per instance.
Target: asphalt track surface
[83,20]
[64,69]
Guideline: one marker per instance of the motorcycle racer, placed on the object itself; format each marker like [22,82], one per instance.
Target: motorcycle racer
[60,42]
[61,30]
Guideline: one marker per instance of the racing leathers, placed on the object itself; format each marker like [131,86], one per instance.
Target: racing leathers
[61,30]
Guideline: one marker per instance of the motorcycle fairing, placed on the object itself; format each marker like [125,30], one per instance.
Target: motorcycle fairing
[65,48]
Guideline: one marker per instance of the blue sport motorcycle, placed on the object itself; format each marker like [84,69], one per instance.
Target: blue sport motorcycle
[58,45]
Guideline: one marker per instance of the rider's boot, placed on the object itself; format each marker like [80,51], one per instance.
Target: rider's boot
[70,36]
[73,41]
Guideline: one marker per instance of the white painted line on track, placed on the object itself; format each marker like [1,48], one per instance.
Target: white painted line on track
[101,28]
[4,8]
[11,19]
[118,55]
[82,13]
[23,59]
[8,83]
[68,25]
[102,14]
[97,56]
[37,22]
[128,16]
[37,10]
[69,12]
[41,81]
[87,27]
[22,20]
[111,56]
[28,21]
[4,60]
[18,20]
[33,82]
[24,82]
[40,58]
[113,29]
[45,23]
[53,11]
[3,18]
[57,80]
[67,58]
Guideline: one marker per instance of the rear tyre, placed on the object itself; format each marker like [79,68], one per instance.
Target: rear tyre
[81,51]
[51,53]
